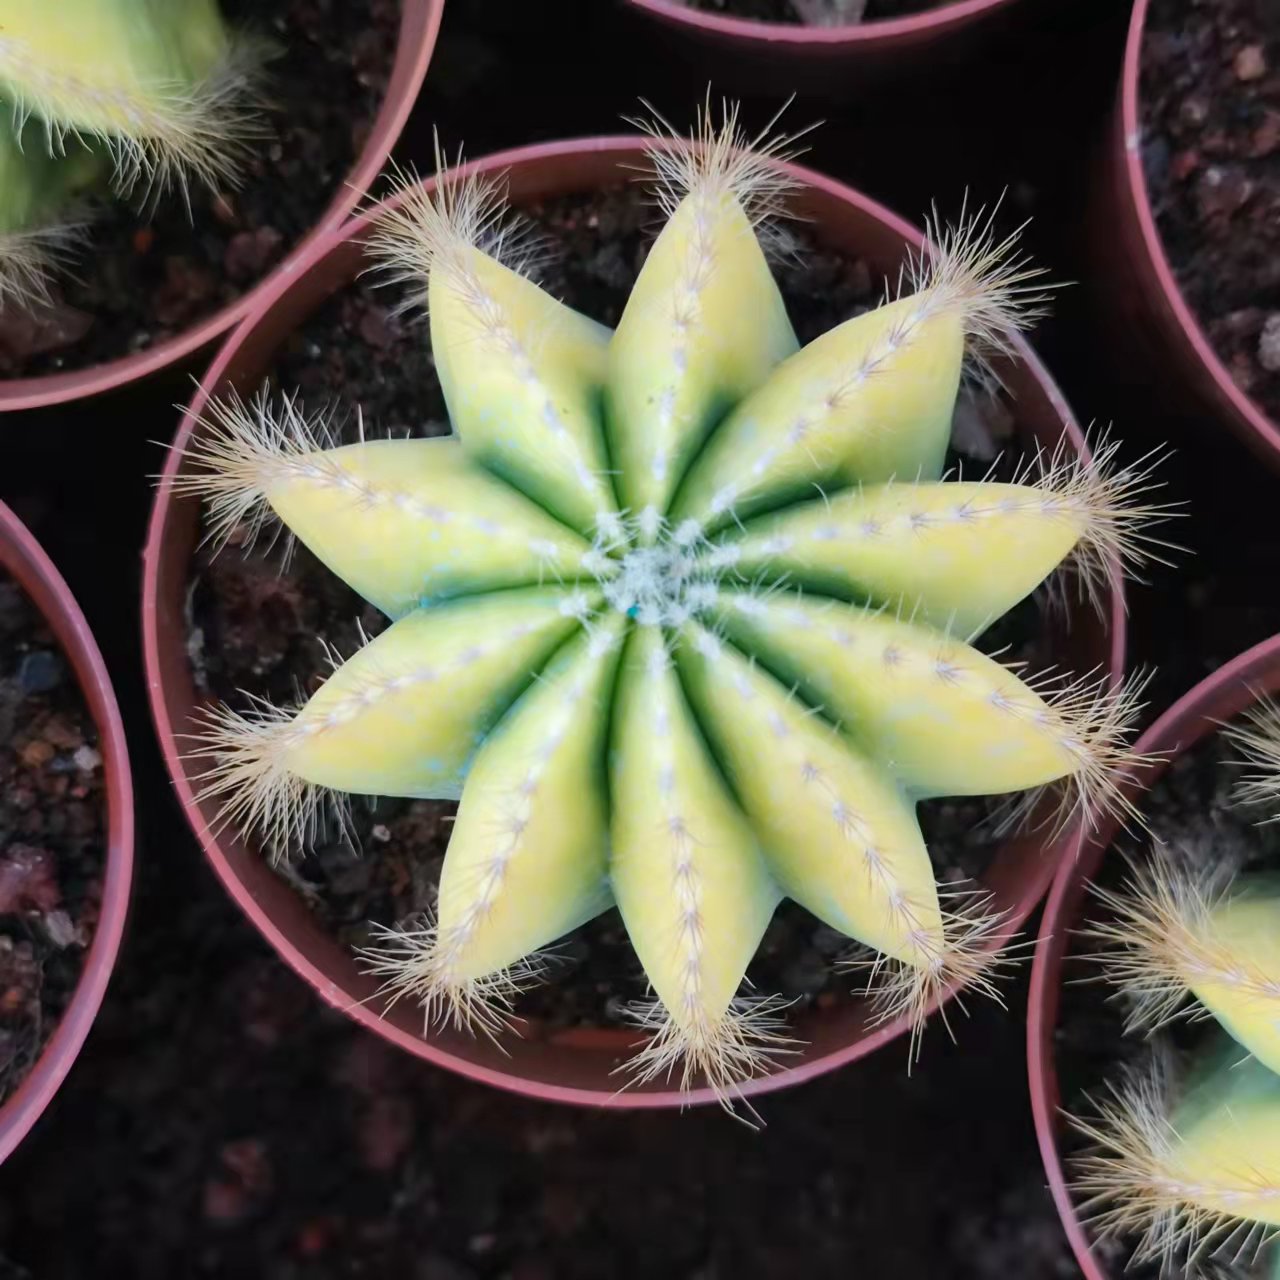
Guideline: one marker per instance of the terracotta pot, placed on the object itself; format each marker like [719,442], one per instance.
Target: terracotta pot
[1225,694]
[573,1065]
[419,24]
[22,558]
[843,62]
[1148,313]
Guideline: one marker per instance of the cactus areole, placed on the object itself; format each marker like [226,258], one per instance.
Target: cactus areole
[680,614]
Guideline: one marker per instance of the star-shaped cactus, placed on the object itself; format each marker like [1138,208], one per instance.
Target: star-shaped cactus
[680,612]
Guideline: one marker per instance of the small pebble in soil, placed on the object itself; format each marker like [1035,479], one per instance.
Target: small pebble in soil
[1269,343]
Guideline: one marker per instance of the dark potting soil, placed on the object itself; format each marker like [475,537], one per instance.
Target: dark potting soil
[51,834]
[786,11]
[1210,103]
[259,630]
[1191,809]
[142,279]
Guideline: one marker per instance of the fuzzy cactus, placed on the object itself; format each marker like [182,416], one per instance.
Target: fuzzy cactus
[150,92]
[1191,1169]
[1190,938]
[680,613]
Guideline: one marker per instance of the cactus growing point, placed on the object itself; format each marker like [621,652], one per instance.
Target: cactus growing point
[147,93]
[680,612]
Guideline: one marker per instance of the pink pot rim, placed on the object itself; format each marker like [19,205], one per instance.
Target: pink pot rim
[1196,715]
[419,26]
[782,35]
[26,561]
[622,149]
[1259,424]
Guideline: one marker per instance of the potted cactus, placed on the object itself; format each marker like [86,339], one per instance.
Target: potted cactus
[151,167]
[640,597]
[1167,1062]
[66,830]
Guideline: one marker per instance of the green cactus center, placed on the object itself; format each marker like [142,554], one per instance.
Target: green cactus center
[662,584]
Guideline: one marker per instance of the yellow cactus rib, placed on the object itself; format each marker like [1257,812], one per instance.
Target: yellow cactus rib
[872,399]
[522,373]
[404,522]
[691,884]
[946,719]
[526,862]
[705,322]
[1189,1176]
[957,554]
[1176,931]
[841,838]
[167,107]
[403,716]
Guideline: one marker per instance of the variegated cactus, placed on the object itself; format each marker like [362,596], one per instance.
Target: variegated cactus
[141,91]
[1194,1171]
[681,612]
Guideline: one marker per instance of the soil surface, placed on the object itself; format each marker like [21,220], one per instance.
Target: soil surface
[261,630]
[817,12]
[142,279]
[1190,810]
[52,818]
[1210,116]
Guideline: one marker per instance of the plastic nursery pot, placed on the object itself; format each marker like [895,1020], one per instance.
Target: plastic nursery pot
[1198,714]
[841,61]
[563,1065]
[22,558]
[1149,311]
[419,25]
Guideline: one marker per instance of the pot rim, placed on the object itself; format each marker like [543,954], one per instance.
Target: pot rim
[26,561]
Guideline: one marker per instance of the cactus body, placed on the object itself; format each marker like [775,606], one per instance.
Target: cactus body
[730,741]
[1193,1168]
[1185,941]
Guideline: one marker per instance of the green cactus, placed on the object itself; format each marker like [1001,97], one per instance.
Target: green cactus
[1194,1170]
[600,640]
[143,92]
